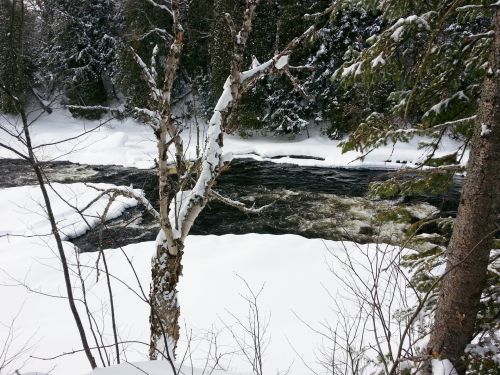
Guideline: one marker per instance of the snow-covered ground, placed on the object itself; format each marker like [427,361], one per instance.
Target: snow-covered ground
[295,272]
[131,144]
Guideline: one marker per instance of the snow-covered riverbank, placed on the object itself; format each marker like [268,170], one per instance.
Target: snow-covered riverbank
[295,272]
[131,144]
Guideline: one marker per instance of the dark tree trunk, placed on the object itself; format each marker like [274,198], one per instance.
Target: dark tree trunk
[469,249]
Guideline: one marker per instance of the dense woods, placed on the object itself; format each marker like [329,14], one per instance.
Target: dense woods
[82,52]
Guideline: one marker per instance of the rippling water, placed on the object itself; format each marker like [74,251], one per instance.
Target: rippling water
[304,197]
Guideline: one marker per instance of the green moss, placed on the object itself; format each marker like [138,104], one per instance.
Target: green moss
[444,160]
[412,185]
[396,215]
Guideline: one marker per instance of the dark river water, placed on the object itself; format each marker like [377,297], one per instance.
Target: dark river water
[301,195]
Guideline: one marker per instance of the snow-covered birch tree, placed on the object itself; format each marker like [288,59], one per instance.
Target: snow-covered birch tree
[183,195]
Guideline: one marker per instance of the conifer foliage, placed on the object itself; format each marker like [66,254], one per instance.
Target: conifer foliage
[14,54]
[80,50]
[442,57]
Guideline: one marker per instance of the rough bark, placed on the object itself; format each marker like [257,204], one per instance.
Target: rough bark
[473,231]
[166,264]
[165,310]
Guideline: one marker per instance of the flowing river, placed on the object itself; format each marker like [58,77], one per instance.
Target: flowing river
[309,201]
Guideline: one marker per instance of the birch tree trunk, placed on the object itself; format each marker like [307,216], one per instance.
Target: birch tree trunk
[166,265]
[474,228]
[182,199]
[165,310]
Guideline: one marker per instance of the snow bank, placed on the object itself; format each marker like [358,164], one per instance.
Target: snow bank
[295,272]
[131,144]
[22,212]
[124,143]
[323,152]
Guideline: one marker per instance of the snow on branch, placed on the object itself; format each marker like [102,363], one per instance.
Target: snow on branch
[399,27]
[239,205]
[115,111]
[152,116]
[328,11]
[160,6]
[443,104]
[187,205]
[127,192]
[449,124]
[488,34]
[479,6]
[382,45]
[148,75]
[162,33]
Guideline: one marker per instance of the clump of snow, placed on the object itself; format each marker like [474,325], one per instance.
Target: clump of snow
[379,60]
[396,34]
[398,28]
[352,69]
[282,62]
[485,130]
[443,367]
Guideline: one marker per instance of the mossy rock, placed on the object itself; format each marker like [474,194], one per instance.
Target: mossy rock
[444,160]
[441,226]
[366,230]
[396,215]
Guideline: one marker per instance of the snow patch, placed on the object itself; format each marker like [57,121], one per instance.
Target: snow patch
[379,60]
[443,367]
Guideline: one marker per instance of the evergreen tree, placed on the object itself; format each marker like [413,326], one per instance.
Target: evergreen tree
[12,51]
[436,60]
[221,44]
[81,48]
[275,104]
[199,20]
[333,107]
[340,108]
[436,55]
[284,107]
[252,110]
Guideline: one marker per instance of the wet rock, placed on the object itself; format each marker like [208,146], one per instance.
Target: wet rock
[366,230]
